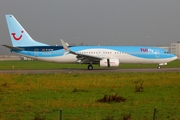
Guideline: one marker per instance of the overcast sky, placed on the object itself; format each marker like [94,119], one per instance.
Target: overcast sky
[93,22]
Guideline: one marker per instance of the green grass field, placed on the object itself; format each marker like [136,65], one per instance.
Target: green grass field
[22,97]
[40,96]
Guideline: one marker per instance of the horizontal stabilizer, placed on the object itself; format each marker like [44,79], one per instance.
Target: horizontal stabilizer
[13,48]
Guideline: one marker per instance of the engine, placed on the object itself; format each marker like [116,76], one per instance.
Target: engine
[110,62]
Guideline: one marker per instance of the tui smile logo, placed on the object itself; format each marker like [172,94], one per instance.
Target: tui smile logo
[17,38]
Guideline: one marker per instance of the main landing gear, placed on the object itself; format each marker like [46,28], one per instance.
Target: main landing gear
[90,67]
[158,67]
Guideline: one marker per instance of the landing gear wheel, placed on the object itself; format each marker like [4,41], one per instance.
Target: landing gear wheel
[90,67]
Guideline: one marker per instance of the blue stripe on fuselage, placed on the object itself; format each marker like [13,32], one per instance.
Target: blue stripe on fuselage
[42,48]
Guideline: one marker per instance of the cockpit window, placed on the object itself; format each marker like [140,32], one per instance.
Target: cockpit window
[167,52]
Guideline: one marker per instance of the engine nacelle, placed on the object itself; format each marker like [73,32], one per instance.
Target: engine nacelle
[110,62]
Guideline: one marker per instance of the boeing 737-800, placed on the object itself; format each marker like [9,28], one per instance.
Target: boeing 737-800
[105,56]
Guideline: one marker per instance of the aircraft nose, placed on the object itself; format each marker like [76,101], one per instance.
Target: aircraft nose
[174,57]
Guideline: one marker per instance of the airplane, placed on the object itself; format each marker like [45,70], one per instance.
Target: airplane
[104,56]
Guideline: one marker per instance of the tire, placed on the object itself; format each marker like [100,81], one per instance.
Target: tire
[90,67]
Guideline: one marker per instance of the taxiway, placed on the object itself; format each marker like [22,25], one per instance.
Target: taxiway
[88,71]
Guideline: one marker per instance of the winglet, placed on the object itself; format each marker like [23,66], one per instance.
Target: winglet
[65,46]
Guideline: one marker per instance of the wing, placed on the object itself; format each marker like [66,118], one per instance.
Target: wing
[82,58]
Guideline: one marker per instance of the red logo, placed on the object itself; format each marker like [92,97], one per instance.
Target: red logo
[144,50]
[17,38]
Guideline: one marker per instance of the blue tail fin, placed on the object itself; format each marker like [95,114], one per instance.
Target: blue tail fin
[19,36]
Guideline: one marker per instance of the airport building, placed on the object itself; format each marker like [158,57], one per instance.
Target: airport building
[175,48]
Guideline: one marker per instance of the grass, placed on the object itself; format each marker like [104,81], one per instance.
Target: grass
[40,96]
[28,96]
[9,65]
